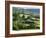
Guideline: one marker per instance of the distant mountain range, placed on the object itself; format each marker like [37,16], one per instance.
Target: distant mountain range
[26,11]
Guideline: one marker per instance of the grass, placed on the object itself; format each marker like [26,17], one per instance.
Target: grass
[20,23]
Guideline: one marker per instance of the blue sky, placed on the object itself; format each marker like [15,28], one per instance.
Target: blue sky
[35,11]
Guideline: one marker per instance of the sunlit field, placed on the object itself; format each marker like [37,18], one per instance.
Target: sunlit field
[25,18]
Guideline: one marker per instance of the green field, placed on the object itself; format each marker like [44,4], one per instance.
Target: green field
[22,20]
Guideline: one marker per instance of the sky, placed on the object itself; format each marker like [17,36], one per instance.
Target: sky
[35,11]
